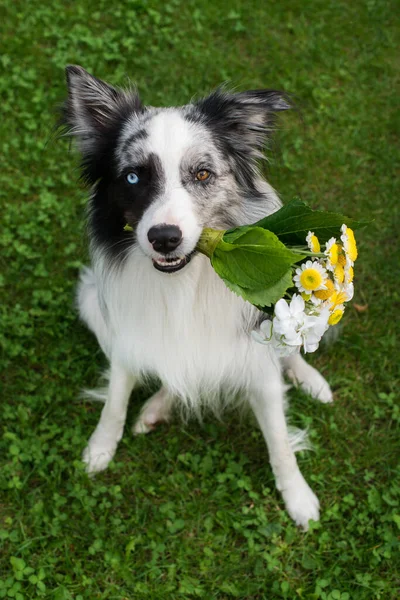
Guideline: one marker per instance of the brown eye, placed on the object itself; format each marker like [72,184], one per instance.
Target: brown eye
[203,175]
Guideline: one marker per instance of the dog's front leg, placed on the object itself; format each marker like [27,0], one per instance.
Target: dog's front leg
[104,440]
[267,401]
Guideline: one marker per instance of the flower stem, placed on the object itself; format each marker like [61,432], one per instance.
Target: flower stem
[300,250]
[209,240]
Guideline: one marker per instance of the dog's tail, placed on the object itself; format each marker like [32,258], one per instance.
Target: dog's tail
[98,394]
[298,439]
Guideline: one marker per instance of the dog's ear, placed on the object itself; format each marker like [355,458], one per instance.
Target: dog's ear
[243,120]
[93,107]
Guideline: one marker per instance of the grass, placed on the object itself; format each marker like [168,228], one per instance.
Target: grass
[191,512]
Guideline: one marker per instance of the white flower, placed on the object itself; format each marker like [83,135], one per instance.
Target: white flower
[266,336]
[288,320]
[311,276]
[313,330]
[294,327]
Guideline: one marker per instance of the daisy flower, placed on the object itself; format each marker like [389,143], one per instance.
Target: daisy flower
[332,253]
[349,243]
[313,242]
[311,276]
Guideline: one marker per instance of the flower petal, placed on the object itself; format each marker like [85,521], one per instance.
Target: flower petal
[297,304]
[282,310]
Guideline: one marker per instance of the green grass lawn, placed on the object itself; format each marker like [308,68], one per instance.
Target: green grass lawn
[191,511]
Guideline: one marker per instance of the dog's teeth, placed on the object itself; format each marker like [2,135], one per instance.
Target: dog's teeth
[164,261]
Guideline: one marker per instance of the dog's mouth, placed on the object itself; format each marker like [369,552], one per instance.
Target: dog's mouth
[171,265]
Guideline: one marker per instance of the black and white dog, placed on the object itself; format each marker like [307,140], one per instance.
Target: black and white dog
[155,305]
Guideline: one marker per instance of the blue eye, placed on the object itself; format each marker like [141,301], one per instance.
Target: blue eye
[132,178]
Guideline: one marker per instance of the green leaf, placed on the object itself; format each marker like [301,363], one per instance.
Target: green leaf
[293,221]
[18,564]
[255,261]
[263,297]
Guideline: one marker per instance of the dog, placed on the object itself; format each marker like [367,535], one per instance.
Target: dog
[155,305]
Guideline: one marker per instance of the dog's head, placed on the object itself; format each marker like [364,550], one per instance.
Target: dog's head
[166,172]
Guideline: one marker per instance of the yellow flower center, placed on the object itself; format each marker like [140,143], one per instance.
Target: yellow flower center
[334,254]
[339,273]
[314,244]
[349,275]
[335,317]
[311,279]
[325,294]
[351,245]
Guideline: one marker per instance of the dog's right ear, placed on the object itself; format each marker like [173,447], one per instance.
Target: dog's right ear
[94,107]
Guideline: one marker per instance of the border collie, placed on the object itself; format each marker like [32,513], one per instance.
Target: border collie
[155,305]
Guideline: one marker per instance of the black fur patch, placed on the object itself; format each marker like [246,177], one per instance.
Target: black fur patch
[116,202]
[240,125]
[95,113]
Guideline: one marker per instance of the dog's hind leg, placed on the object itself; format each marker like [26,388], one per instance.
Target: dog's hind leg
[156,409]
[104,440]
[89,308]
[266,396]
[308,378]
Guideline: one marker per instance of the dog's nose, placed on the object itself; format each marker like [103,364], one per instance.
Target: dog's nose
[164,238]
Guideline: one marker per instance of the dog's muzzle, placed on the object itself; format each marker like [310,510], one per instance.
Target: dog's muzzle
[165,239]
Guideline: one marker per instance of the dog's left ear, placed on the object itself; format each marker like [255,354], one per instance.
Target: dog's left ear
[245,119]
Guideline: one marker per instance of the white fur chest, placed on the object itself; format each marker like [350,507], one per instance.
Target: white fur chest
[186,328]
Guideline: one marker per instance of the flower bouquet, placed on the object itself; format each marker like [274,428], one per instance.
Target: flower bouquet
[296,265]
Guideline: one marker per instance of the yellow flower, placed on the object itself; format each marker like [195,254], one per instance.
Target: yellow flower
[336,299]
[311,279]
[349,274]
[349,242]
[339,273]
[313,242]
[310,276]
[332,253]
[342,256]
[325,294]
[336,316]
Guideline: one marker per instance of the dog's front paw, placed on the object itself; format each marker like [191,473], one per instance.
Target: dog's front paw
[97,456]
[301,502]
[318,388]
[311,382]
